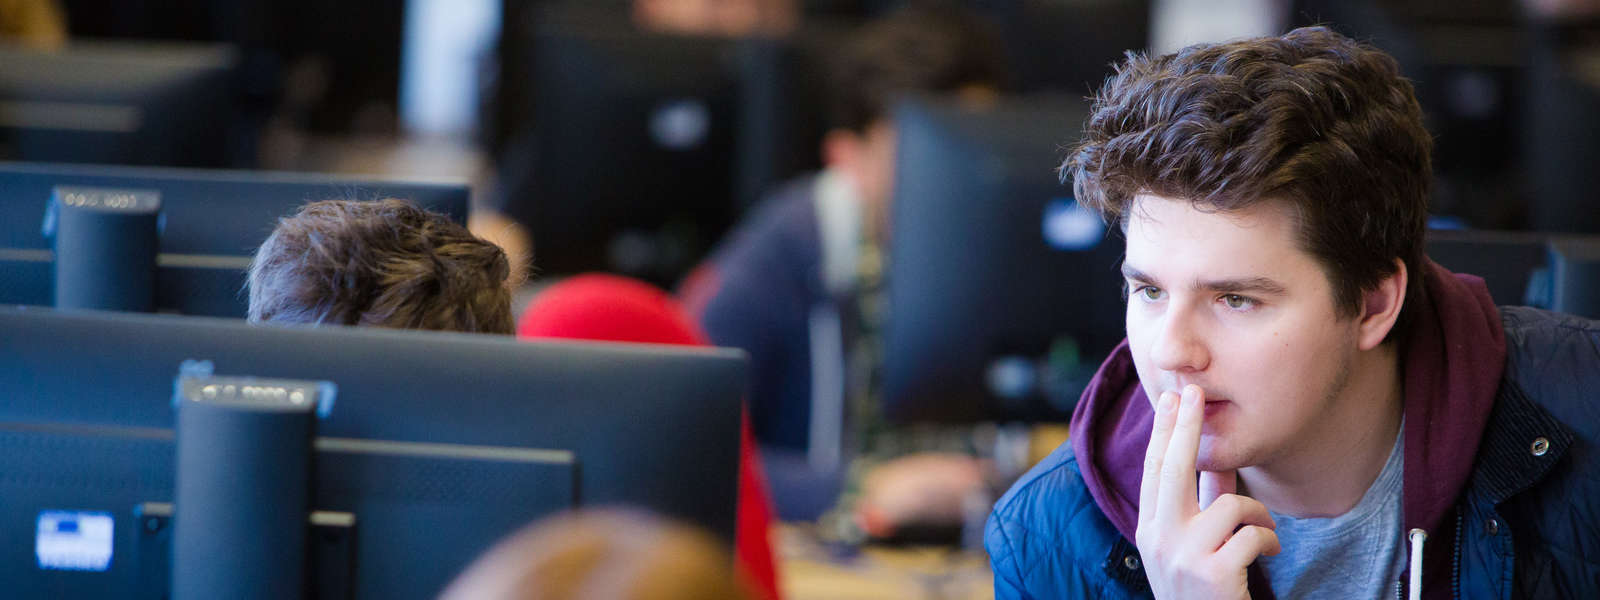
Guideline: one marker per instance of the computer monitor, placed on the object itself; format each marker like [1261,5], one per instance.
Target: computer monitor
[641,149]
[1508,261]
[212,223]
[1554,271]
[1067,47]
[1002,291]
[627,166]
[1575,275]
[135,103]
[89,511]
[407,448]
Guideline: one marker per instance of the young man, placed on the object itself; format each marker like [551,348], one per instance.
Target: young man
[1305,406]
[797,285]
[804,247]
[386,263]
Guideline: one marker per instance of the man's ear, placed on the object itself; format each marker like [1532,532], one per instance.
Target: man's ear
[842,149]
[1380,307]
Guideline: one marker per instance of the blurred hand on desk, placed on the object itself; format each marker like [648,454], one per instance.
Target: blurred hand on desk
[929,490]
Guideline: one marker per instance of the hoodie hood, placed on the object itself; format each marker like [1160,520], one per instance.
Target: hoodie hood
[1451,363]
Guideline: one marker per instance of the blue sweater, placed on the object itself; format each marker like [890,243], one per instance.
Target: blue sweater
[756,292]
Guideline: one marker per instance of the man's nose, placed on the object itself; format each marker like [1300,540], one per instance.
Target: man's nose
[1179,345]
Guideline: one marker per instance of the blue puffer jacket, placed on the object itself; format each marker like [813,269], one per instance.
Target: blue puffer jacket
[1524,523]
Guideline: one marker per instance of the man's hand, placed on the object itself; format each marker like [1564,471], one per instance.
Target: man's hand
[1189,552]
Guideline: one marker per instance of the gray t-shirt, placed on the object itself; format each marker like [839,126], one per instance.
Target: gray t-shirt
[1359,554]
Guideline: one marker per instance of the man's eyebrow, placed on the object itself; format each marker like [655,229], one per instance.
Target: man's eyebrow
[1134,274]
[1257,285]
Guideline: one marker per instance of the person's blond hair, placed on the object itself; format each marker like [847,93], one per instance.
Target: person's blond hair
[606,554]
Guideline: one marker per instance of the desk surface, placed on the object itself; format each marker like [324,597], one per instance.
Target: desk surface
[810,571]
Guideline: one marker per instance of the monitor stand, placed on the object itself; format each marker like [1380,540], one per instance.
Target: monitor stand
[105,247]
[244,449]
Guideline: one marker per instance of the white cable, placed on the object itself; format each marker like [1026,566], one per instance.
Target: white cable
[1418,536]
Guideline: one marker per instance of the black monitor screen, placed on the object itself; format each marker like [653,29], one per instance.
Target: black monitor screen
[89,510]
[408,446]
[1575,275]
[212,222]
[633,152]
[1003,291]
[119,103]
[627,166]
[1508,261]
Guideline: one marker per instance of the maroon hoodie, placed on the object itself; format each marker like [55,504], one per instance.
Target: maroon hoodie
[1451,363]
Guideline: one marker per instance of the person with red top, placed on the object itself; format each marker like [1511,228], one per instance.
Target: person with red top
[613,308]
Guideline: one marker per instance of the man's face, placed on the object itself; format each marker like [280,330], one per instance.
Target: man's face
[733,18]
[877,178]
[1229,301]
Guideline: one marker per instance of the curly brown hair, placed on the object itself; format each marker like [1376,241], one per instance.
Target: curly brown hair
[387,263]
[1312,118]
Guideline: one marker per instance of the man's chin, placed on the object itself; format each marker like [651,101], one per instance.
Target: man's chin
[1218,459]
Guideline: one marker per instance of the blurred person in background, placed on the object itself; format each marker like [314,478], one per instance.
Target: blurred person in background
[606,307]
[808,262]
[604,554]
[728,18]
[34,23]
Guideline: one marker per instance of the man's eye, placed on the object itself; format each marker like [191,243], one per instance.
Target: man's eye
[1150,293]
[1237,302]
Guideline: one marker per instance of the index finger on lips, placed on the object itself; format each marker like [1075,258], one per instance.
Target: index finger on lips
[1160,434]
[1178,489]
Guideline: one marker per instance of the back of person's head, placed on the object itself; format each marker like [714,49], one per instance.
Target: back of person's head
[1312,119]
[602,555]
[596,306]
[924,47]
[732,18]
[387,263]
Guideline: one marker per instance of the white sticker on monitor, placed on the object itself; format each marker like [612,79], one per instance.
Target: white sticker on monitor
[74,541]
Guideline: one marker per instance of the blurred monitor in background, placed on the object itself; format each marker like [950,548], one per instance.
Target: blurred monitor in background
[1561,113]
[625,165]
[307,66]
[637,150]
[1508,261]
[1067,45]
[1575,276]
[1001,286]
[210,224]
[1559,271]
[119,103]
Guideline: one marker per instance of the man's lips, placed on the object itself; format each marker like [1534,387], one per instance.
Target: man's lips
[1214,406]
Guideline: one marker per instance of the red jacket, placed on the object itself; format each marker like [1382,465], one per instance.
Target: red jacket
[613,308]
